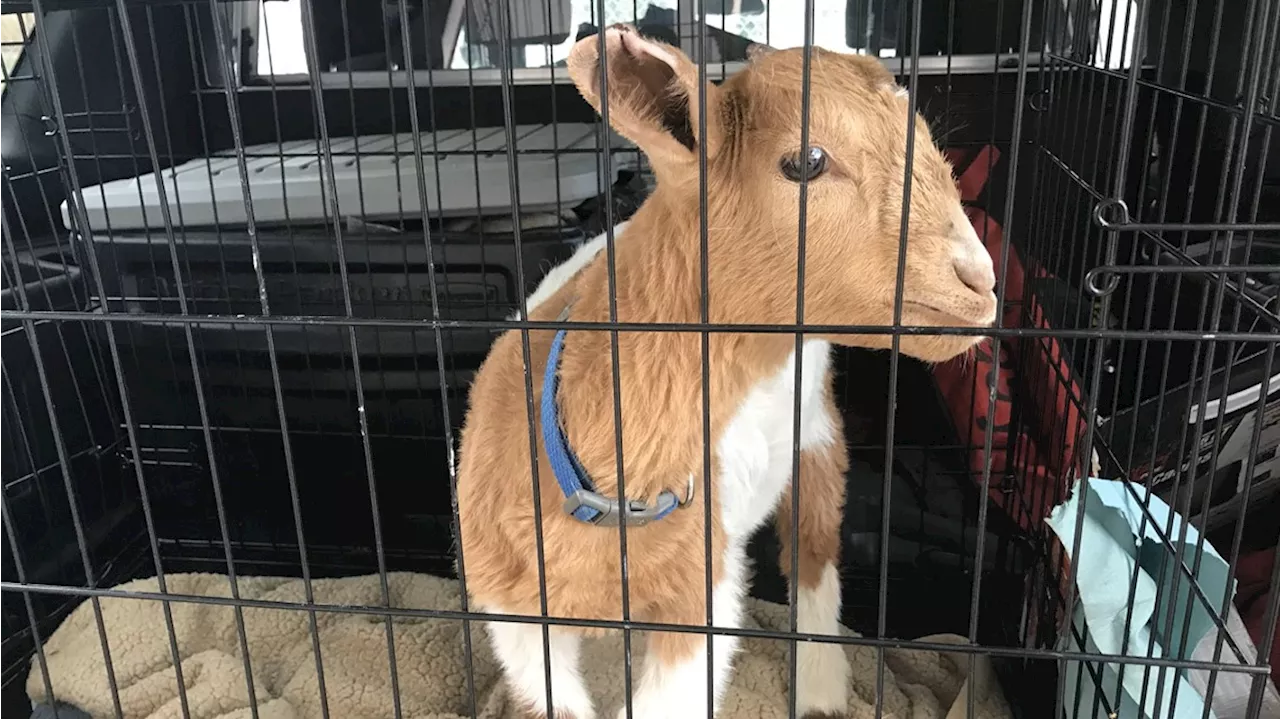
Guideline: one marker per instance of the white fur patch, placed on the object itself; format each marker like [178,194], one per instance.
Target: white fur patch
[518,648]
[755,449]
[680,690]
[822,670]
[560,275]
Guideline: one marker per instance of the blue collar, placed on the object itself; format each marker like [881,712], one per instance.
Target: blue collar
[581,499]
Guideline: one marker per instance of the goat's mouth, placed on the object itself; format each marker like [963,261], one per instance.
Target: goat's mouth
[947,317]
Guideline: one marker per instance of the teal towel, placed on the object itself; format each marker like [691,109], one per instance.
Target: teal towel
[1113,542]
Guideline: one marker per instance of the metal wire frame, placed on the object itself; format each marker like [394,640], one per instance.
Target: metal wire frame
[1221,284]
[1048,155]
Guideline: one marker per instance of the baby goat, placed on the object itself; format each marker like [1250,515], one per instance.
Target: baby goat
[855,168]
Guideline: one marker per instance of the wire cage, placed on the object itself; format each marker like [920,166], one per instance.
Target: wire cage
[254,254]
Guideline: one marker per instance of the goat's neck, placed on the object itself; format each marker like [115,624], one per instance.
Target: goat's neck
[658,269]
[658,281]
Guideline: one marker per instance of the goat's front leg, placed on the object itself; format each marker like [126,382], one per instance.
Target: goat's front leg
[520,650]
[822,670]
[673,682]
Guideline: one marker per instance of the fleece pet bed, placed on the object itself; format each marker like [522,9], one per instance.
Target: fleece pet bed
[431,667]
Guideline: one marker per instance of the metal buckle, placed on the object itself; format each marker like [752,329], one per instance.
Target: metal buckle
[688,492]
[608,510]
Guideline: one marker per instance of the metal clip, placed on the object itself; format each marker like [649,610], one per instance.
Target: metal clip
[608,510]
[688,492]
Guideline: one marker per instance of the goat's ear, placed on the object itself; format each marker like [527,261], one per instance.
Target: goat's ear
[651,90]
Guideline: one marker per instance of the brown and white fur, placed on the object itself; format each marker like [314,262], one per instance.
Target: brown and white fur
[859,117]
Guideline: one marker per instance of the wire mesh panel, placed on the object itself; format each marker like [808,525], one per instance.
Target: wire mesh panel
[338,330]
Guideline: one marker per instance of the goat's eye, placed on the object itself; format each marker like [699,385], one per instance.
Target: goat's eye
[797,167]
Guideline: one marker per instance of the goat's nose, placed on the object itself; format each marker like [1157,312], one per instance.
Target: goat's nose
[970,258]
[975,270]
